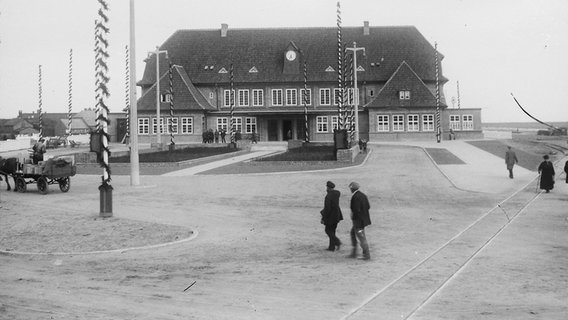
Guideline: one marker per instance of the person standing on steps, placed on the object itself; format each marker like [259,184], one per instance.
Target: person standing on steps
[331,215]
[546,171]
[360,217]
[510,160]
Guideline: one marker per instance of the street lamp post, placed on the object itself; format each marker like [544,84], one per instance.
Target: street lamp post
[355,90]
[134,158]
[158,120]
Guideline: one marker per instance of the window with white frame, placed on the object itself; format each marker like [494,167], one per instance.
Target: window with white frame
[337,96]
[467,122]
[172,125]
[223,124]
[305,97]
[291,97]
[334,123]
[244,98]
[383,123]
[351,96]
[427,122]
[186,125]
[398,122]
[413,123]
[276,97]
[404,95]
[257,97]
[166,97]
[238,122]
[455,123]
[155,126]
[321,124]
[250,124]
[143,126]
[325,96]
[228,98]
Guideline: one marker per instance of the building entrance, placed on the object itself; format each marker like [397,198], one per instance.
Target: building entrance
[287,132]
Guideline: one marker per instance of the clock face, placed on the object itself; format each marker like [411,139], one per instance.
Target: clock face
[291,55]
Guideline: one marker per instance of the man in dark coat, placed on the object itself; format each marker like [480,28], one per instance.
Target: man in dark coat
[331,215]
[546,171]
[566,170]
[360,217]
[510,160]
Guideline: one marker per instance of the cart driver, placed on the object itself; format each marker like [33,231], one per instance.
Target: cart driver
[39,150]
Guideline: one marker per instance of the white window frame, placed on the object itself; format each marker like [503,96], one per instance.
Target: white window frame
[155,126]
[166,97]
[186,125]
[428,122]
[467,122]
[223,124]
[321,124]
[250,124]
[334,123]
[238,121]
[257,97]
[144,126]
[398,122]
[277,97]
[309,97]
[325,96]
[455,122]
[291,97]
[244,97]
[173,123]
[413,123]
[404,94]
[227,98]
[383,123]
[336,96]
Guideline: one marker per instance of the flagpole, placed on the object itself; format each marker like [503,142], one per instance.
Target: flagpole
[438,128]
[339,70]
[134,157]
[305,99]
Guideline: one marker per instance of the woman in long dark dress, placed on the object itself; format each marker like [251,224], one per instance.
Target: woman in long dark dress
[546,171]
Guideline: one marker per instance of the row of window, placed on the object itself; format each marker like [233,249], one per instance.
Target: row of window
[171,125]
[397,123]
[283,97]
[466,122]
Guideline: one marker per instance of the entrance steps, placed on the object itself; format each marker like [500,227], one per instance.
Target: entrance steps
[270,146]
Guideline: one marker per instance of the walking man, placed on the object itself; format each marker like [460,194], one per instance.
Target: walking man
[331,215]
[360,217]
[510,160]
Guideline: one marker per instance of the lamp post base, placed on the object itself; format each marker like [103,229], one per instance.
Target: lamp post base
[106,200]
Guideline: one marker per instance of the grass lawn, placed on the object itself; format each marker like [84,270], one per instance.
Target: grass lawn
[305,153]
[176,155]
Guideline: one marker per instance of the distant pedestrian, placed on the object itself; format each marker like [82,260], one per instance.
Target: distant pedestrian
[253,136]
[331,215]
[216,136]
[360,218]
[546,171]
[510,160]
[566,170]
[223,134]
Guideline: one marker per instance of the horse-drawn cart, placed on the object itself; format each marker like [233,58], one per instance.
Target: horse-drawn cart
[52,171]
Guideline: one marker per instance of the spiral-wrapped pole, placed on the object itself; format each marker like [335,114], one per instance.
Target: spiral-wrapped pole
[40,103]
[171,124]
[339,69]
[127,98]
[102,92]
[70,99]
[438,128]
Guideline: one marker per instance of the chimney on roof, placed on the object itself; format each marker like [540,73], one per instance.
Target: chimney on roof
[365,28]
[224,28]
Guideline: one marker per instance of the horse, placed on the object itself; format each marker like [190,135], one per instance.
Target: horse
[8,167]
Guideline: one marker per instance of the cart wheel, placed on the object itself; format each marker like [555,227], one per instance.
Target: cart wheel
[42,185]
[20,184]
[64,184]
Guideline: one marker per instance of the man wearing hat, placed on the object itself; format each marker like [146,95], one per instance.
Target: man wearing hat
[331,215]
[360,216]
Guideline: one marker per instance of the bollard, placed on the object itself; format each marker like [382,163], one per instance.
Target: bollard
[106,200]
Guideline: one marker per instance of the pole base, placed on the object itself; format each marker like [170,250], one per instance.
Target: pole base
[106,200]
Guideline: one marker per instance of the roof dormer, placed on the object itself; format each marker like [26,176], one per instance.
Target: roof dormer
[291,59]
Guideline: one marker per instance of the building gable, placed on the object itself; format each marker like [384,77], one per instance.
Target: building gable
[406,80]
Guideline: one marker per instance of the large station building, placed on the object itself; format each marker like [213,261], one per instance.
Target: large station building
[265,70]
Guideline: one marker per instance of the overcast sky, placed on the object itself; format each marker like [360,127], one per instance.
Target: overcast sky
[491,47]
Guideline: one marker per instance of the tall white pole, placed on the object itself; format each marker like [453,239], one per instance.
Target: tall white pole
[134,159]
[355,89]
[158,121]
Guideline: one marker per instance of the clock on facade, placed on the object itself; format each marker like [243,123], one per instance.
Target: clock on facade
[291,55]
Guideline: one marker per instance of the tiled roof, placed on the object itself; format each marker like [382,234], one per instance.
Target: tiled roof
[404,78]
[185,93]
[199,50]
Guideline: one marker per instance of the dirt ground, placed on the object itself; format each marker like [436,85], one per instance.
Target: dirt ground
[256,248]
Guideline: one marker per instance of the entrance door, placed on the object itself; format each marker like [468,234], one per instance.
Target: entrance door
[272,130]
[287,132]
